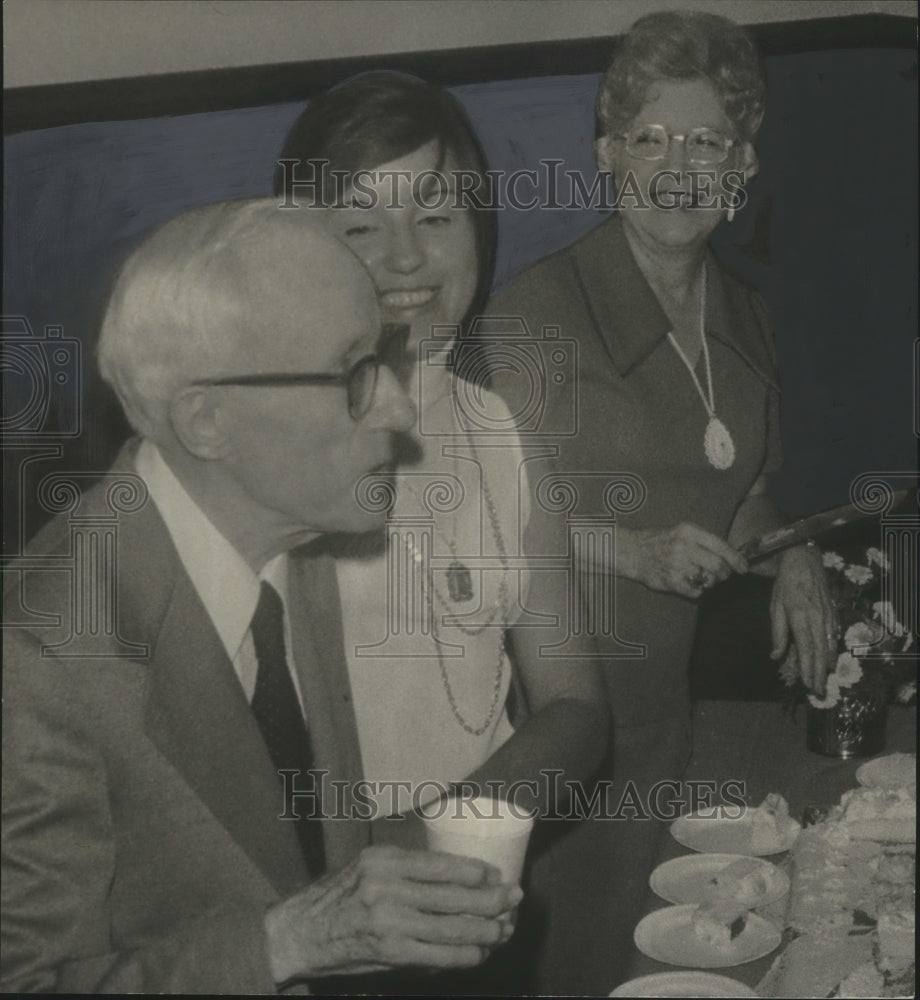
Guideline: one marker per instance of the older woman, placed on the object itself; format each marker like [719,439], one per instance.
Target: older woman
[426,610]
[677,385]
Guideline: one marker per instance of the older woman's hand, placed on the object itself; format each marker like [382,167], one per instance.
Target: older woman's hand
[803,617]
[683,560]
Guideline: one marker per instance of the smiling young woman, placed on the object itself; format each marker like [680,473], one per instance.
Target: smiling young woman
[430,607]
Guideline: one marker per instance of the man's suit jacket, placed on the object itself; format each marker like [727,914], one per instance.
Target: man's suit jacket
[141,839]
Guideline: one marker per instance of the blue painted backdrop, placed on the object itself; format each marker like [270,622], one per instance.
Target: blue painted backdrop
[829,235]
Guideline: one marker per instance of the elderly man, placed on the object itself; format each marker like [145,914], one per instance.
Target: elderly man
[143,850]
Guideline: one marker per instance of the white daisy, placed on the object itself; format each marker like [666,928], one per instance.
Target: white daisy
[848,670]
[860,575]
[878,557]
[831,697]
[885,614]
[860,636]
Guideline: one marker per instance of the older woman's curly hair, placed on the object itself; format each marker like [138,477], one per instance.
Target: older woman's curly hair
[678,45]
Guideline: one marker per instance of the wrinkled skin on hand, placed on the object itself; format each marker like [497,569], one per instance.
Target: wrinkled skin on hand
[389,909]
[684,559]
[804,620]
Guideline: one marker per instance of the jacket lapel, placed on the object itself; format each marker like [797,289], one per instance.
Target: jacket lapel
[199,718]
[625,311]
[314,609]
[196,712]
[629,318]
[729,306]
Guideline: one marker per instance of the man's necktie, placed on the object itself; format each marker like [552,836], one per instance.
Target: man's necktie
[277,710]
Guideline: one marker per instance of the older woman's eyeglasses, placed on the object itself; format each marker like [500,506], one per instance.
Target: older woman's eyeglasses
[703,145]
[360,381]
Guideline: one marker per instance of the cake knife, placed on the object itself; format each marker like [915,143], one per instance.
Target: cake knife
[806,528]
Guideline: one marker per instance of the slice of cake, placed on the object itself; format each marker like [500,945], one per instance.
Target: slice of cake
[770,824]
[718,924]
[744,881]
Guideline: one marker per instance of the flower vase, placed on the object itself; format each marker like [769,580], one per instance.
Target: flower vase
[853,727]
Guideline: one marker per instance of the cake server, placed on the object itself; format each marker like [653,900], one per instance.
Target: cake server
[811,527]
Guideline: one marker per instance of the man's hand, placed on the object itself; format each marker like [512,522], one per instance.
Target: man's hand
[389,909]
[803,617]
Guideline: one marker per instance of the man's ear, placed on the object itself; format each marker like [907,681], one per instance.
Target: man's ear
[197,421]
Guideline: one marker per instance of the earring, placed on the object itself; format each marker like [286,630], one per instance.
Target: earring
[730,215]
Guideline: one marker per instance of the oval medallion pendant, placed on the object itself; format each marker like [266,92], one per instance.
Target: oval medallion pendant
[459,582]
[720,449]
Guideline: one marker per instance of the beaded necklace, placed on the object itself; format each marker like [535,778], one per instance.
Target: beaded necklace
[460,589]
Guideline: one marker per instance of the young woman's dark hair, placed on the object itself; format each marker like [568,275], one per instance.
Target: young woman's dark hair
[379,117]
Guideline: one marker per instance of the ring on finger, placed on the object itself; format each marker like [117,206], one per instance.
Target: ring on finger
[700,580]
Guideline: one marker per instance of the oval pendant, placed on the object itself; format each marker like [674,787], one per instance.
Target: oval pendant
[718,444]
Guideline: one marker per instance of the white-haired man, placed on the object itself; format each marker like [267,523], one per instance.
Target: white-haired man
[143,850]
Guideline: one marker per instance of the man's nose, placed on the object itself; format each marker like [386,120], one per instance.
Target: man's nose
[393,409]
[404,255]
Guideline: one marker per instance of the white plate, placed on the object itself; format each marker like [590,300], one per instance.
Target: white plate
[683,984]
[893,771]
[688,879]
[666,936]
[724,835]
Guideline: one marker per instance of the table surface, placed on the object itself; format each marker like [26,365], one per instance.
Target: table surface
[759,744]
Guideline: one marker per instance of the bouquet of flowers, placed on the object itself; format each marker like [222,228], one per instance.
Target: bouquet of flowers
[874,658]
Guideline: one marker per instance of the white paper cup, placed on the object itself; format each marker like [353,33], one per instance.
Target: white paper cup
[492,830]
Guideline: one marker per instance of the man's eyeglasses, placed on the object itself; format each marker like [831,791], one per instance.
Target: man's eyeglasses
[703,145]
[360,381]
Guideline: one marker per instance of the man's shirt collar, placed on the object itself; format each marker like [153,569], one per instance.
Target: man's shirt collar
[227,586]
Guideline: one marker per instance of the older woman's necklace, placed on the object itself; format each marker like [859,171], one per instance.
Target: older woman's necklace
[717,441]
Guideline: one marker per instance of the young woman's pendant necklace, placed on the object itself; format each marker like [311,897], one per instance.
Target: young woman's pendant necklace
[717,441]
[460,587]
